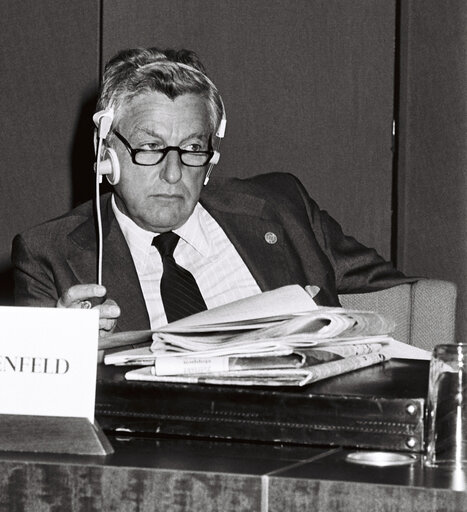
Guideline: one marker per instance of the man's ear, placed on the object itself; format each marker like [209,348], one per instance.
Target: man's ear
[106,158]
[109,165]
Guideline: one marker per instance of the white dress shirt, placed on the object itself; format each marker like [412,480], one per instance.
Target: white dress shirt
[203,249]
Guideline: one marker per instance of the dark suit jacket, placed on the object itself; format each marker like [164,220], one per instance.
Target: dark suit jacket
[310,248]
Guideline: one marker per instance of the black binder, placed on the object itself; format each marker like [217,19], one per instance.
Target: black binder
[379,407]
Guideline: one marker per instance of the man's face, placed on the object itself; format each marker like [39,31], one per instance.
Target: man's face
[161,197]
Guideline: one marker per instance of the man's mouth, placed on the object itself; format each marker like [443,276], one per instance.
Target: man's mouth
[168,197]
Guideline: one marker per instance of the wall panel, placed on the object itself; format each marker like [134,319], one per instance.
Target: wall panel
[433,144]
[308,89]
[49,65]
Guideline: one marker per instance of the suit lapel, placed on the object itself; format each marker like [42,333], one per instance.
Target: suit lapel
[118,275]
[273,247]
[258,238]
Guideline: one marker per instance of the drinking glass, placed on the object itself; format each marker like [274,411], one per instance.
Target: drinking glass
[446,444]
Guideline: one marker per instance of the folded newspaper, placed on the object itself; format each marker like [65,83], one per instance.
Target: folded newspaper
[263,341]
[254,370]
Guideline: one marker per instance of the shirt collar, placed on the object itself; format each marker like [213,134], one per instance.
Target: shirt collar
[193,232]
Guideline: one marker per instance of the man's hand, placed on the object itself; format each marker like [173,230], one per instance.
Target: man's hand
[79,296]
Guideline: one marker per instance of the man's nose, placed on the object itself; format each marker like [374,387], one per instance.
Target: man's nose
[171,170]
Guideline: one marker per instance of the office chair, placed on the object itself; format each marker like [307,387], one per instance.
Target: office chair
[424,311]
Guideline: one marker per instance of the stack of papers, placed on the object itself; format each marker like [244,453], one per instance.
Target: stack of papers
[276,338]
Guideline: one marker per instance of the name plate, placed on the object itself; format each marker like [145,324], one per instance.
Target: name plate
[48,360]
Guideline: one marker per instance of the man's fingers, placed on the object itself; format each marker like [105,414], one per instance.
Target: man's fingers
[108,314]
[80,293]
[109,309]
[79,296]
[106,325]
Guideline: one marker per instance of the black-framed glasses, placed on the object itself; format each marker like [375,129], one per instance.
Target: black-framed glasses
[155,156]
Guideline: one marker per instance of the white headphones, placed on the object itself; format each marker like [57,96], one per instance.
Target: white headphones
[106,158]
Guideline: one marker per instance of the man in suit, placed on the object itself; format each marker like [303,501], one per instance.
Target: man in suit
[161,119]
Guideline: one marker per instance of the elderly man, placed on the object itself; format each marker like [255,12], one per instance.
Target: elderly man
[220,241]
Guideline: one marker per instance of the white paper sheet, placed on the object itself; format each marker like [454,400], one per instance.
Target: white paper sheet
[48,360]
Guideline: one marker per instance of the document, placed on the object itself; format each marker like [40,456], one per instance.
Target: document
[254,312]
[267,377]
[275,338]
[193,363]
[302,330]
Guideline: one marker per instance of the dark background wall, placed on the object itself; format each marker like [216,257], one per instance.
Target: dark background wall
[310,87]
[49,66]
[432,167]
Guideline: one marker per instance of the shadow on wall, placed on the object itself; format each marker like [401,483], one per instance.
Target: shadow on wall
[82,182]
[82,155]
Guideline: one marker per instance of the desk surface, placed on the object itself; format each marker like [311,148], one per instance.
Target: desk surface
[168,474]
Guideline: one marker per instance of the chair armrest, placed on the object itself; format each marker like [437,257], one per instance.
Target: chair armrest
[424,311]
[433,315]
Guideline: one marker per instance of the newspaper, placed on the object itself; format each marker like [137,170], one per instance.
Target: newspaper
[392,348]
[193,363]
[261,341]
[267,377]
[309,329]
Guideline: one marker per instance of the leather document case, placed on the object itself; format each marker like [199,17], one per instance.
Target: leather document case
[379,407]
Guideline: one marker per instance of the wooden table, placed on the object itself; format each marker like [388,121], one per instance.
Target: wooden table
[168,474]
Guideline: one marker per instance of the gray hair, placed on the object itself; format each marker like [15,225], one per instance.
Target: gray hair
[171,72]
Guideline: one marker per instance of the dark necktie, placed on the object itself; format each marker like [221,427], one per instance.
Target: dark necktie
[180,293]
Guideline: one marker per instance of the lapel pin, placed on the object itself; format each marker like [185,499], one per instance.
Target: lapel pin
[271,238]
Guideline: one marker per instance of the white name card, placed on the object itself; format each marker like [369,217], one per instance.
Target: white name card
[48,360]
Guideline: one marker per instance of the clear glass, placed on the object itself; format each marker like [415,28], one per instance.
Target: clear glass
[446,444]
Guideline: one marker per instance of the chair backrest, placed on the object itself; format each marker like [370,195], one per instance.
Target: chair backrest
[424,311]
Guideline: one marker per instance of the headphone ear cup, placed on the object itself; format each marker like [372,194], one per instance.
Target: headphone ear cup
[110,166]
[215,158]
